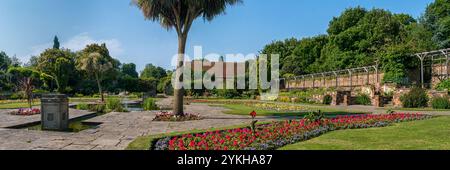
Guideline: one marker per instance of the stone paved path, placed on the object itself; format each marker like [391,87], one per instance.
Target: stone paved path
[116,131]
[8,120]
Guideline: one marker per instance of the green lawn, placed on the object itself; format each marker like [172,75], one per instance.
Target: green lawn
[245,110]
[431,134]
[17,105]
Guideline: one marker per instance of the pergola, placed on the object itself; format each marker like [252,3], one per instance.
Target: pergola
[435,57]
[336,75]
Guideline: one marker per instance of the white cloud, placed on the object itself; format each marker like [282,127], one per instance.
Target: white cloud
[79,42]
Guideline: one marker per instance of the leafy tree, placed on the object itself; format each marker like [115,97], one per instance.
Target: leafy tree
[130,70]
[5,61]
[59,65]
[306,53]
[25,79]
[437,20]
[151,71]
[180,14]
[282,48]
[96,62]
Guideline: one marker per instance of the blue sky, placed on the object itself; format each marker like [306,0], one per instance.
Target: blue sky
[27,26]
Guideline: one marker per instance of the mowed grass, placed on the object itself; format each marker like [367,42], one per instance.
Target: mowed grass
[236,109]
[17,105]
[433,134]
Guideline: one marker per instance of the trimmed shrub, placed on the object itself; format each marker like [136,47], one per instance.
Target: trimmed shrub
[416,98]
[149,104]
[363,99]
[440,103]
[327,99]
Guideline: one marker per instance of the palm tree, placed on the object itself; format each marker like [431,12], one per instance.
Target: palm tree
[95,65]
[179,15]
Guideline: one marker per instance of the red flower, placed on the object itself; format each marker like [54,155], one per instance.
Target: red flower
[253,114]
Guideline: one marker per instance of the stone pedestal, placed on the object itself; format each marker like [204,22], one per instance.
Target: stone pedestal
[54,112]
[377,101]
[346,100]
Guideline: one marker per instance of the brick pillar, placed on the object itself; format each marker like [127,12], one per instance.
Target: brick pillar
[346,100]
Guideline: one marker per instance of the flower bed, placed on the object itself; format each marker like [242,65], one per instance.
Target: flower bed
[26,112]
[277,134]
[169,116]
[276,107]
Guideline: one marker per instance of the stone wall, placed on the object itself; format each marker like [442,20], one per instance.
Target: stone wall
[330,81]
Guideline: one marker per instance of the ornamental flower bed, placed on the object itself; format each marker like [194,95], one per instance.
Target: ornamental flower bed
[169,116]
[276,107]
[26,112]
[277,134]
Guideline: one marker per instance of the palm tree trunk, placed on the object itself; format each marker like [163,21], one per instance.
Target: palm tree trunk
[99,87]
[179,93]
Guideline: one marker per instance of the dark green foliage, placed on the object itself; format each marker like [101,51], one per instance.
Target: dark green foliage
[228,93]
[165,85]
[444,85]
[314,116]
[437,20]
[416,98]
[114,104]
[151,71]
[59,65]
[358,37]
[327,99]
[56,43]
[363,99]
[82,106]
[440,103]
[99,108]
[130,70]
[149,104]
[5,61]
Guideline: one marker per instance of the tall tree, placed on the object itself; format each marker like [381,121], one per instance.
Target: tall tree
[56,43]
[5,61]
[151,71]
[96,62]
[437,20]
[59,65]
[180,14]
[130,69]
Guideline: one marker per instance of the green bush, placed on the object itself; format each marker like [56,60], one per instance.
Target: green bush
[444,85]
[327,99]
[416,98]
[149,104]
[440,103]
[99,108]
[82,106]
[363,99]
[114,104]
[78,95]
[16,96]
